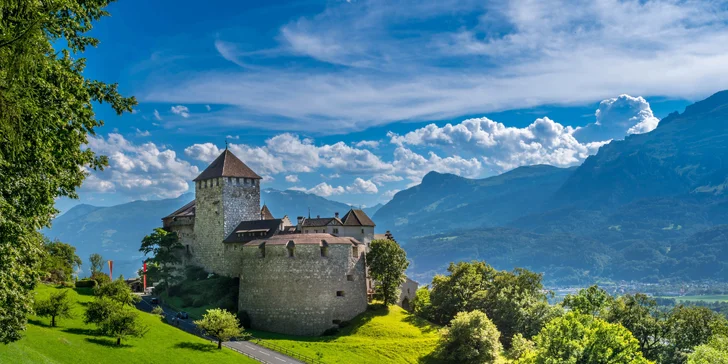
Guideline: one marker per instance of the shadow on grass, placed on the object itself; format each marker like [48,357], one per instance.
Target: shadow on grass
[39,323]
[425,326]
[204,347]
[79,331]
[85,291]
[430,358]
[111,343]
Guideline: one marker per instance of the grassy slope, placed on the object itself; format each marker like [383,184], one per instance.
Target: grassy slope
[376,336]
[73,342]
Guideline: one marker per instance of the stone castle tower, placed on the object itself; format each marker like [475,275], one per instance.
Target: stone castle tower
[226,192]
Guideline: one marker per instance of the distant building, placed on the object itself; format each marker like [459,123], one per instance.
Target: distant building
[295,279]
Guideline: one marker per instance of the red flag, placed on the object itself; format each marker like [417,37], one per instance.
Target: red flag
[111,269]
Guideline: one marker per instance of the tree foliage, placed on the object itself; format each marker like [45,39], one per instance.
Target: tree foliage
[579,338]
[688,327]
[590,301]
[113,319]
[714,352]
[220,324]
[471,338]
[97,262]
[46,114]
[387,262]
[58,305]
[641,316]
[59,261]
[117,291]
[164,249]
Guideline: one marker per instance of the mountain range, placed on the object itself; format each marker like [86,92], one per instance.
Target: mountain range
[650,207]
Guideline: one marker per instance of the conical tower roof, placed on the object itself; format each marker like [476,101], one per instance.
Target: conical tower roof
[227,165]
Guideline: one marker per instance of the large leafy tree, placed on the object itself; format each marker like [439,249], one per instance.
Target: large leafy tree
[58,305]
[640,315]
[387,262]
[592,301]
[714,352]
[220,324]
[46,114]
[59,261]
[471,338]
[579,338]
[164,249]
[688,327]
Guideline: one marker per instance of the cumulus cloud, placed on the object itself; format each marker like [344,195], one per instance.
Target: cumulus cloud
[232,137]
[617,117]
[362,186]
[292,178]
[381,179]
[139,171]
[388,195]
[415,166]
[142,133]
[367,143]
[322,189]
[180,110]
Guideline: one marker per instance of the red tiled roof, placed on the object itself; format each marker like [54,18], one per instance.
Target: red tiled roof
[227,165]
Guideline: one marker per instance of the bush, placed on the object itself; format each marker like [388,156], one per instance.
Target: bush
[100,278]
[86,283]
[331,332]
[175,291]
[199,302]
[244,319]
[471,338]
[193,273]
[187,301]
[67,284]
[157,310]
[519,347]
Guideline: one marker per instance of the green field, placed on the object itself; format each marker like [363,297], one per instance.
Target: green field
[705,298]
[73,342]
[377,336]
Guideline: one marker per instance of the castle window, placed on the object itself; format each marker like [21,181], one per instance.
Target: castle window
[336,230]
[291,246]
[339,293]
[349,277]
[315,230]
[261,248]
[362,231]
[355,251]
[324,249]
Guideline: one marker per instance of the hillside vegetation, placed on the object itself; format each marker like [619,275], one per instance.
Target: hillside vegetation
[384,335]
[74,342]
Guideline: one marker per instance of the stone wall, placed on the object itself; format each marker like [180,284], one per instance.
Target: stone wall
[300,295]
[221,204]
[185,228]
[408,290]
[356,233]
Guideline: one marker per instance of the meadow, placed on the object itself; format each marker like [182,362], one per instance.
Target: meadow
[74,342]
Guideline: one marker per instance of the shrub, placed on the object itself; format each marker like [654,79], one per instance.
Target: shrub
[193,273]
[187,301]
[67,284]
[86,283]
[175,291]
[100,278]
[198,302]
[157,310]
[471,338]
[520,346]
[330,332]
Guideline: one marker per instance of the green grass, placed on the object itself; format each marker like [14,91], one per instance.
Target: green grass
[74,342]
[377,336]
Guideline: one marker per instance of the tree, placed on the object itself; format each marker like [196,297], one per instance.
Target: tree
[59,261]
[58,305]
[421,305]
[471,338]
[118,291]
[688,327]
[164,247]
[714,352]
[220,324]
[46,115]
[96,263]
[579,338]
[113,319]
[640,315]
[387,262]
[590,301]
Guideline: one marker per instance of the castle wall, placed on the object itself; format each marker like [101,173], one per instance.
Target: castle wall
[356,233]
[298,295]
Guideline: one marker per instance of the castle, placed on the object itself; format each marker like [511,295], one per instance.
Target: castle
[295,279]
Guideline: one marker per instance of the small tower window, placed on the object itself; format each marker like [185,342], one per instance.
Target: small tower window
[324,249]
[355,251]
[291,246]
[336,230]
[349,277]
[339,293]
[362,231]
[261,249]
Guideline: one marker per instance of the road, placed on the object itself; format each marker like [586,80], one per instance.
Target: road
[247,348]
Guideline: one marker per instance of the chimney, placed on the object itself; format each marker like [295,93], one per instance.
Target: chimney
[336,214]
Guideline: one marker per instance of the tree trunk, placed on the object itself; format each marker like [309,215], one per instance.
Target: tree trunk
[53,321]
[219,344]
[118,341]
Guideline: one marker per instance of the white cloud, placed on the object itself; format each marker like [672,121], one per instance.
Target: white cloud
[617,117]
[208,107]
[141,133]
[139,171]
[232,137]
[322,189]
[381,179]
[362,186]
[415,166]
[508,55]
[292,178]
[180,110]
[367,143]
[388,195]
[156,115]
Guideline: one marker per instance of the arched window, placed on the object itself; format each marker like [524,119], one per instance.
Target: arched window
[291,246]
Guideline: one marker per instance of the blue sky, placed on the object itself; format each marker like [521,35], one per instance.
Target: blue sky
[356,100]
